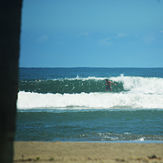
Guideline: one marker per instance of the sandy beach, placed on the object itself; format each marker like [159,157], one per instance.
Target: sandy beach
[83,152]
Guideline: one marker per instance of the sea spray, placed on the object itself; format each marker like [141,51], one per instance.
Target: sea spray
[151,85]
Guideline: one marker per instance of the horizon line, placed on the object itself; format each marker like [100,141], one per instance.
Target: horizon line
[90,67]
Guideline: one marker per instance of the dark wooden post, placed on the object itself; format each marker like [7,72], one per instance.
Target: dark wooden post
[10,22]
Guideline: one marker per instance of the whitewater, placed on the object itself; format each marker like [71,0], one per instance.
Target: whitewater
[134,92]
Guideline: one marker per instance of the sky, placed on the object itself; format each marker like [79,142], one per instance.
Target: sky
[92,33]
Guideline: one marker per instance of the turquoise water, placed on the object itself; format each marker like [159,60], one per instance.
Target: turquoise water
[72,104]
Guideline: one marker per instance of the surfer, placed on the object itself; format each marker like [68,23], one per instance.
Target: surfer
[108,84]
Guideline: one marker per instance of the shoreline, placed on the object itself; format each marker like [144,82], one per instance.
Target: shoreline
[83,152]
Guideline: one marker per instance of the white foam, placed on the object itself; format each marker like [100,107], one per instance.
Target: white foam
[28,100]
[141,84]
[141,139]
[83,79]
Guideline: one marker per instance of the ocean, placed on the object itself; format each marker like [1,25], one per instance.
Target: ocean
[72,104]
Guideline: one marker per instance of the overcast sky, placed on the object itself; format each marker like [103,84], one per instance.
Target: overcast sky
[92,33]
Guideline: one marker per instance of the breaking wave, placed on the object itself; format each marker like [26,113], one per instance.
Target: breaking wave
[89,93]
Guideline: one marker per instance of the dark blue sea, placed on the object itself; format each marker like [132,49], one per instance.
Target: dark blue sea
[72,104]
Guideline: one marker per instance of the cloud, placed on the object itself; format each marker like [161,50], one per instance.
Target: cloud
[105,42]
[108,41]
[43,38]
[149,39]
[84,34]
[121,35]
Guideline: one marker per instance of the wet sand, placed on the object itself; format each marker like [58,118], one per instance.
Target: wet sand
[82,152]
